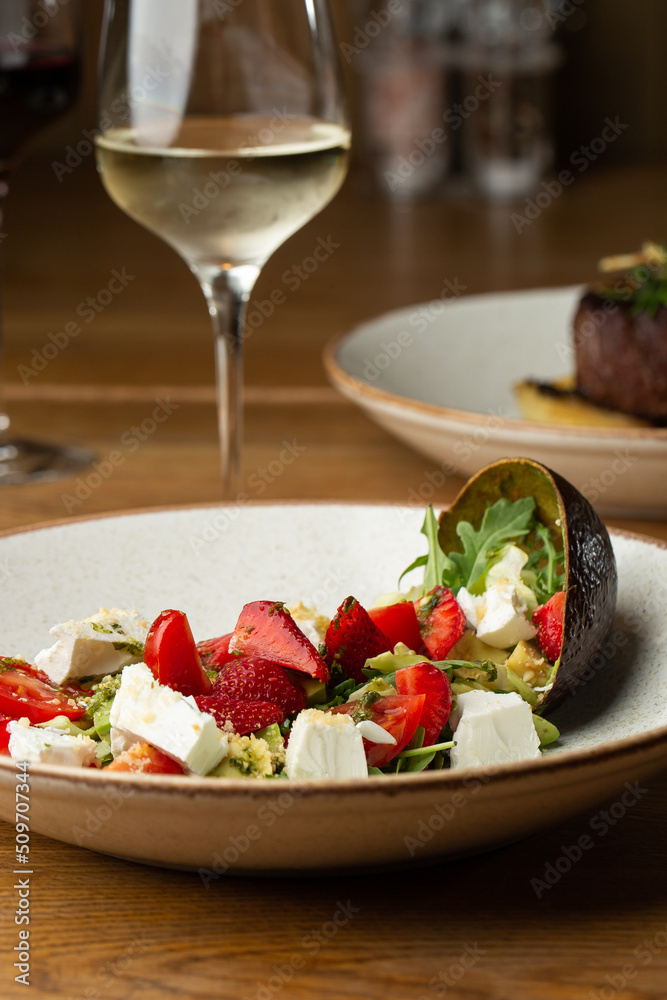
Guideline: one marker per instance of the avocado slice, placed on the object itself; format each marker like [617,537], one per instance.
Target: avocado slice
[578,532]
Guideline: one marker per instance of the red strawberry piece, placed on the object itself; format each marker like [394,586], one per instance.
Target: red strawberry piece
[549,620]
[249,678]
[244,716]
[267,629]
[353,637]
[441,621]
[213,653]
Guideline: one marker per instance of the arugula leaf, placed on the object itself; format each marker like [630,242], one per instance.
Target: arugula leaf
[503,522]
[438,565]
[549,577]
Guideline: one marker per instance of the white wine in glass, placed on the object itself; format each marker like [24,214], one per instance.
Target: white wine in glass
[224,130]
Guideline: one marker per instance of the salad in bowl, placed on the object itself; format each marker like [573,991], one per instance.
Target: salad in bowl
[459,670]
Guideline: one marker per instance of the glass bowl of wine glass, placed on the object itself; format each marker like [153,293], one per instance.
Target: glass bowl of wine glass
[228,131]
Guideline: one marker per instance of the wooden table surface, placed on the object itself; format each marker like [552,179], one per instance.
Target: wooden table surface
[473,929]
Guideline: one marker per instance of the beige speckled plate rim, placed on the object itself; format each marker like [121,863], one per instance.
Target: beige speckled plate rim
[356,388]
[566,761]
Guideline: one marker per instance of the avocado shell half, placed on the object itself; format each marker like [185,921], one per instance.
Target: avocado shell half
[577,531]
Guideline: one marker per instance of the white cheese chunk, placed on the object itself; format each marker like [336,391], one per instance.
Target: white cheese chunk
[146,710]
[311,622]
[492,728]
[325,745]
[374,733]
[101,644]
[120,741]
[40,745]
[499,615]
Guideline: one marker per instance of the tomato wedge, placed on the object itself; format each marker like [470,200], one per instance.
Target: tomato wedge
[424,678]
[399,623]
[4,736]
[172,655]
[26,692]
[399,714]
[143,758]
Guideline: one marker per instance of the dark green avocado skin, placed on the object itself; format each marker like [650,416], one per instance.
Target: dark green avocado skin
[589,561]
[592,589]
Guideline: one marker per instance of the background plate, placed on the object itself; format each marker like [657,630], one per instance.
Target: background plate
[208,562]
[439,377]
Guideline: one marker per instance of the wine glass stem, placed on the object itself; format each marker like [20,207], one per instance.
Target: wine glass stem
[227,293]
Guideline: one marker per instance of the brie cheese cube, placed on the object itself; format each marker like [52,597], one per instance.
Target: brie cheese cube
[325,745]
[148,711]
[492,728]
[49,746]
[101,644]
[498,616]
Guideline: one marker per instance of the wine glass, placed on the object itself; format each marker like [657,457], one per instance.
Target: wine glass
[224,130]
[39,80]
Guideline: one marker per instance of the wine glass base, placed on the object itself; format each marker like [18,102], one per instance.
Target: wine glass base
[27,461]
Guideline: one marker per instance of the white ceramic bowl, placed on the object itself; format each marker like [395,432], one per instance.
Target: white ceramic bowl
[209,561]
[439,377]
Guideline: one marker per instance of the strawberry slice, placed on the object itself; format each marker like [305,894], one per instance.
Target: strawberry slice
[214,653]
[250,678]
[441,621]
[549,620]
[352,637]
[244,716]
[145,759]
[267,629]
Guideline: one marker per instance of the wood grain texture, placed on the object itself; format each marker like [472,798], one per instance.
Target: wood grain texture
[475,929]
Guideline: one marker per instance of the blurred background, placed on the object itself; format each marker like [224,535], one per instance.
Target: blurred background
[584,91]
[610,60]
